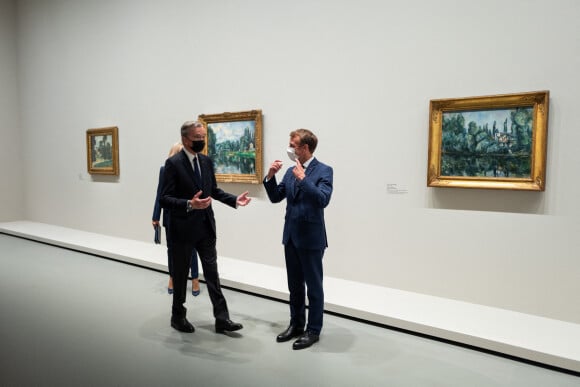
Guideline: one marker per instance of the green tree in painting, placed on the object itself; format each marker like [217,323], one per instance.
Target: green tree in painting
[521,121]
[211,145]
[476,150]
[236,154]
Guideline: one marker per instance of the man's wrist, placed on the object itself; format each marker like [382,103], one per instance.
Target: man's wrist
[189,206]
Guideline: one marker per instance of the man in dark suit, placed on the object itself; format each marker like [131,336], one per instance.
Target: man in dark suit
[307,188]
[188,189]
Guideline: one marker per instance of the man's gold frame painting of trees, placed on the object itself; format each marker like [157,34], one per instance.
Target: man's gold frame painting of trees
[234,143]
[489,142]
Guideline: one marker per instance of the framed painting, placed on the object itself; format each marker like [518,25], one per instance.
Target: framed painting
[489,142]
[234,143]
[103,151]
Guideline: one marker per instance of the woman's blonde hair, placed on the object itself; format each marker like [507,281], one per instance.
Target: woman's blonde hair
[177,147]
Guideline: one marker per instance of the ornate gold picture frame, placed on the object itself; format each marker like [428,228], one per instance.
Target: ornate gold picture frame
[234,143]
[103,151]
[489,142]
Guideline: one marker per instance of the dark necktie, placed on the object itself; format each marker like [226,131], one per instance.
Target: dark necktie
[196,171]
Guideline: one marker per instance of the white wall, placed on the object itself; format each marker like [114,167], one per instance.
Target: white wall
[360,74]
[11,191]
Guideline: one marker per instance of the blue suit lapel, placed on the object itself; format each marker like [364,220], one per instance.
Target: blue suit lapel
[307,171]
[311,167]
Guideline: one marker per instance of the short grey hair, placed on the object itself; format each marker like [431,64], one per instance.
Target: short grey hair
[187,125]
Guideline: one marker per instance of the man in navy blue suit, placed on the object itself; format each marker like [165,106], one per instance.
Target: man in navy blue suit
[189,186]
[307,188]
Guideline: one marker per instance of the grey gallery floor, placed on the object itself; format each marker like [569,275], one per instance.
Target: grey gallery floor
[71,319]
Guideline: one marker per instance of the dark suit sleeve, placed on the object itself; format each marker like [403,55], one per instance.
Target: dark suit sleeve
[276,192]
[157,205]
[169,195]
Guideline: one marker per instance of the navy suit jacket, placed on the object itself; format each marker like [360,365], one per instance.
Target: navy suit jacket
[305,204]
[157,205]
[179,186]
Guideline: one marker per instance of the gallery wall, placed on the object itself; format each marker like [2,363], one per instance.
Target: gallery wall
[11,193]
[360,75]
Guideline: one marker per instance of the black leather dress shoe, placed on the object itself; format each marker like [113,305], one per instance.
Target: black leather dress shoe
[222,326]
[291,332]
[305,341]
[182,325]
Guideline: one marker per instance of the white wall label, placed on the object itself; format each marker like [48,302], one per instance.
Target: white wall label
[393,188]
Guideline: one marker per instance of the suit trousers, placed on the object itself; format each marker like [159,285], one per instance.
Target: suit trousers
[304,267]
[204,241]
[170,247]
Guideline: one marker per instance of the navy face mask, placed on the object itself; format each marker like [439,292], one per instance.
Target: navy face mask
[198,145]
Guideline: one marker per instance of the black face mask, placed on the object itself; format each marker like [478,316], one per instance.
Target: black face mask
[198,145]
